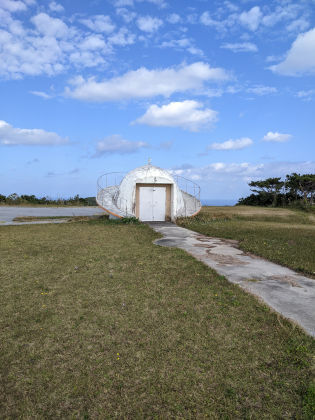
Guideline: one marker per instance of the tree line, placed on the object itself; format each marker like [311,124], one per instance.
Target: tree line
[15,199]
[295,190]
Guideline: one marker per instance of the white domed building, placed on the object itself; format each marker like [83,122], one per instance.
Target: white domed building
[148,193]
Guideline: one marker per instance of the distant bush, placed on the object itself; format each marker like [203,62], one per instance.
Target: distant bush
[15,199]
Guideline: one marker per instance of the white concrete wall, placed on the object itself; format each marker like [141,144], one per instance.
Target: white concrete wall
[148,175]
[121,200]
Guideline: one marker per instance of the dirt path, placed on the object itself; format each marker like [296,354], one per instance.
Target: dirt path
[284,290]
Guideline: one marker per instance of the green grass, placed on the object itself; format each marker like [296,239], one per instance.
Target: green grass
[97,322]
[284,236]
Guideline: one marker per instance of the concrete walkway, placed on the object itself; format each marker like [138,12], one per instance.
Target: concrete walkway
[8,213]
[287,292]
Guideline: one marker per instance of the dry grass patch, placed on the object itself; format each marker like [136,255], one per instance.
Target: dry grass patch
[65,218]
[252,211]
[97,322]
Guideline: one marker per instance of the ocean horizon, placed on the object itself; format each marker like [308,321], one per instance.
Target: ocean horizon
[218,202]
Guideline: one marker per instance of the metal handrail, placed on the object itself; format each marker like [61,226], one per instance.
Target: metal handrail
[105,181]
[106,177]
[187,185]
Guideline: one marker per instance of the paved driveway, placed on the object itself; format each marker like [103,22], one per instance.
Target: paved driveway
[8,213]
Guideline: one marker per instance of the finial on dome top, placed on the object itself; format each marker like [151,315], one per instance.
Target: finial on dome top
[149,161]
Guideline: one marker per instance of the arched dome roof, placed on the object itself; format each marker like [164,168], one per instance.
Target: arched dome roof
[147,173]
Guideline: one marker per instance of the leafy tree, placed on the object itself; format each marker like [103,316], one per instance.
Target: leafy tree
[297,190]
[301,186]
[307,187]
[270,186]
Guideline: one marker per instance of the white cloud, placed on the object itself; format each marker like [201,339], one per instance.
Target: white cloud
[29,55]
[252,18]
[173,18]
[126,14]
[231,144]
[262,90]
[93,42]
[229,18]
[144,83]
[48,26]
[207,20]
[159,3]
[240,47]
[56,7]
[227,173]
[187,114]
[275,58]
[121,3]
[235,168]
[232,7]
[51,46]
[195,51]
[176,43]
[99,23]
[277,137]
[286,12]
[86,58]
[24,136]
[227,170]
[149,24]
[298,25]
[116,144]
[306,94]
[41,94]
[230,180]
[12,6]
[182,44]
[300,59]
[122,37]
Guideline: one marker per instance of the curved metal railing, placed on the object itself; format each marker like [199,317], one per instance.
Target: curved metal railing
[110,179]
[188,186]
[113,179]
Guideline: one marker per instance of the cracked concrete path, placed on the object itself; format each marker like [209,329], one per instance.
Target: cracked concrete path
[284,290]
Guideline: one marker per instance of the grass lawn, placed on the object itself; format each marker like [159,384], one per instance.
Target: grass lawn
[97,322]
[281,235]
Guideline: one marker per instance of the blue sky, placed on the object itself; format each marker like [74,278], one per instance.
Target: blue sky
[220,92]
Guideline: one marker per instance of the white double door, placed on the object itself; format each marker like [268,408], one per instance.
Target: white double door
[152,203]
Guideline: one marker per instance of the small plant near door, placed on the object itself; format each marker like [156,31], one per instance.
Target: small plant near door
[130,221]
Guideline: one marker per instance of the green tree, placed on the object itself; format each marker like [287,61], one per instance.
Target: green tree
[301,186]
[270,186]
